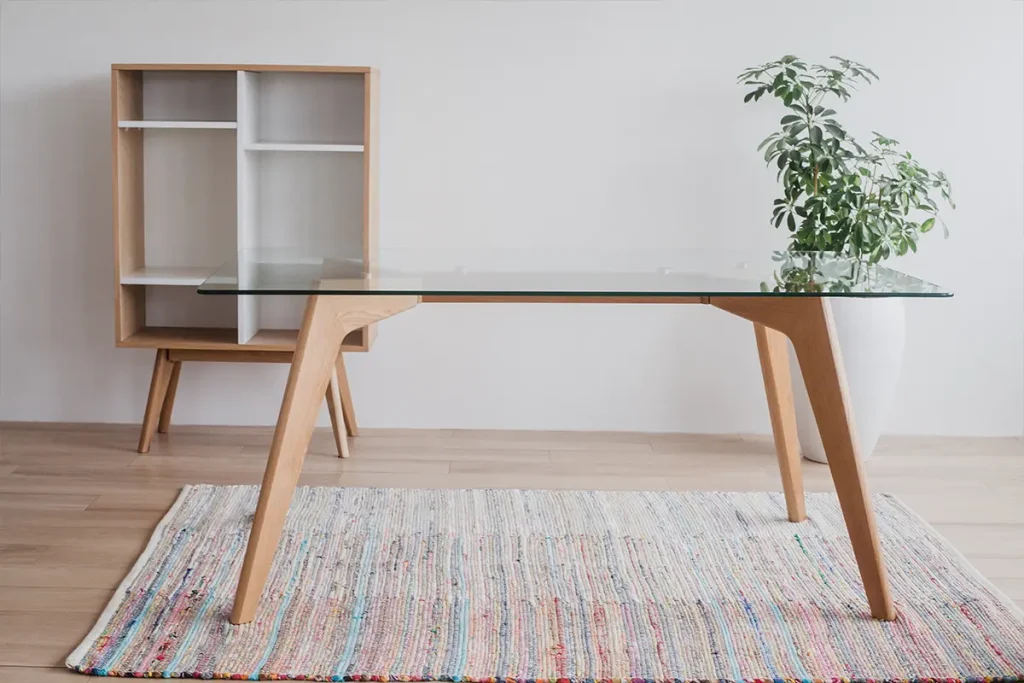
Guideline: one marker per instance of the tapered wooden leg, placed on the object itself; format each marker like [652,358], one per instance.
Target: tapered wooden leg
[326,321]
[155,402]
[822,367]
[334,407]
[772,349]
[348,408]
[168,407]
[807,321]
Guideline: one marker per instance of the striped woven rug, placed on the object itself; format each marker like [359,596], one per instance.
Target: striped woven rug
[512,586]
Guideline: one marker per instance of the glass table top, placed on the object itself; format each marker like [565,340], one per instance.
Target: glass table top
[645,273]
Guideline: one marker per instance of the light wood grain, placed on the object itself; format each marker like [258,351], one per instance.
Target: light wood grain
[807,321]
[334,408]
[76,599]
[35,638]
[326,322]
[222,339]
[172,390]
[247,356]
[371,183]
[348,407]
[298,68]
[45,501]
[817,351]
[556,299]
[23,674]
[126,158]
[64,577]
[157,391]
[773,351]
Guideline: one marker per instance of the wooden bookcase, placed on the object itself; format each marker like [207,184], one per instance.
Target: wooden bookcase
[210,159]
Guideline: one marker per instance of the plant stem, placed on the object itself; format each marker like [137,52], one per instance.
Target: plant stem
[810,109]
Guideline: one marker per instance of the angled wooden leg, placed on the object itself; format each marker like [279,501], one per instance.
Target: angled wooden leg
[771,347]
[807,321]
[326,322]
[155,402]
[168,407]
[334,407]
[822,367]
[348,408]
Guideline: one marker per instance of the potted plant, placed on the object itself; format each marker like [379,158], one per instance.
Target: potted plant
[871,203]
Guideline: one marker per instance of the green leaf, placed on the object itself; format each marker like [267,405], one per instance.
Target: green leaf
[815,135]
[828,112]
[836,131]
[795,129]
[749,96]
[928,224]
[791,222]
[789,118]
[779,218]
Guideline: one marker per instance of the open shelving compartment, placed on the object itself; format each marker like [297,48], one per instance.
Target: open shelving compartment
[213,159]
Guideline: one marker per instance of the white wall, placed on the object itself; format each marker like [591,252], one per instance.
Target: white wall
[524,123]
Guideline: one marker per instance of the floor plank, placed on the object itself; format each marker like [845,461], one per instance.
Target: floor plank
[36,675]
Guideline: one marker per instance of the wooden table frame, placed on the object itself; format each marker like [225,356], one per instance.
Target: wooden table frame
[805,320]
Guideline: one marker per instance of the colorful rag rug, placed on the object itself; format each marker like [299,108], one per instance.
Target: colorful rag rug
[511,586]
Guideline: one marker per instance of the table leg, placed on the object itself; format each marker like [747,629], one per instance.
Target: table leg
[807,321]
[821,364]
[326,322]
[773,352]
[336,411]
[348,407]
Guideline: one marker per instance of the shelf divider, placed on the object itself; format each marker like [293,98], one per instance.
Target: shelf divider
[247,111]
[205,125]
[300,147]
[186,276]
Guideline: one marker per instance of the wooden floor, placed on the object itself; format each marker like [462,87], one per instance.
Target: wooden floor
[77,503]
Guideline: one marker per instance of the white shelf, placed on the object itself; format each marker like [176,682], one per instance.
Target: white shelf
[300,147]
[216,125]
[186,276]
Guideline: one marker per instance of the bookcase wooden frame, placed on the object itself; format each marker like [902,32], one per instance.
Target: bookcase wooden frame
[265,111]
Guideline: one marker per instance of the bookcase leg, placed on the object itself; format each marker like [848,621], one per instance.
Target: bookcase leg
[155,402]
[168,407]
[348,409]
[334,407]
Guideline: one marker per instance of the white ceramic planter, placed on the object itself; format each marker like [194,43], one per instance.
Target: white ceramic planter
[872,334]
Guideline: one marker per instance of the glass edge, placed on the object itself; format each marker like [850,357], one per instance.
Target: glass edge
[582,295]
